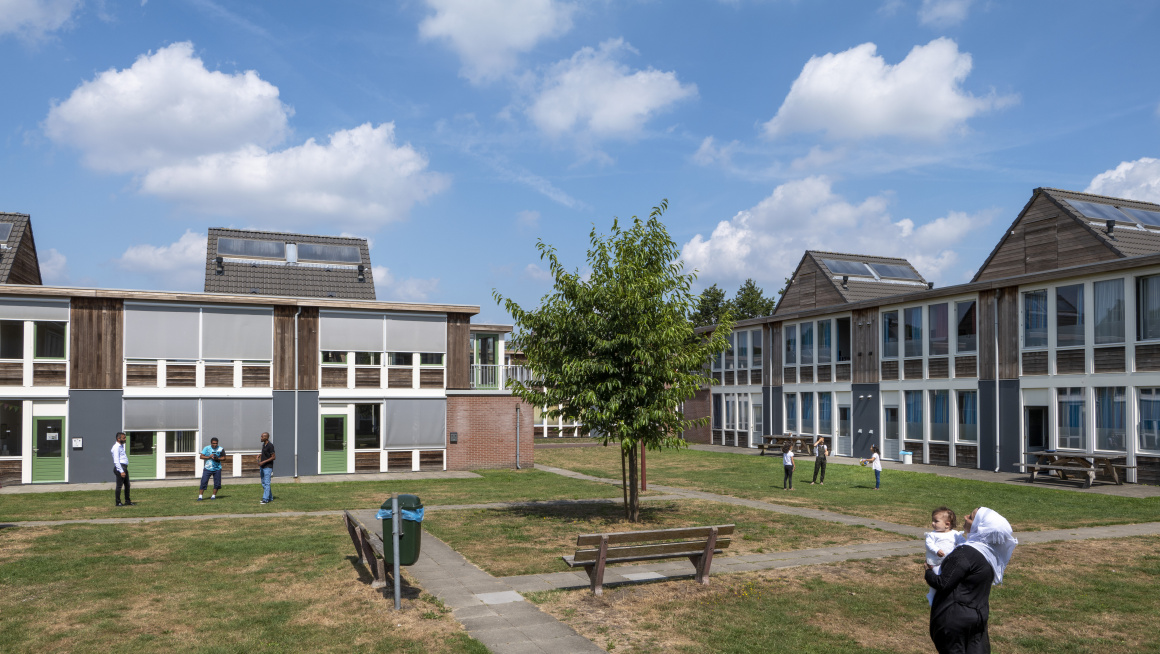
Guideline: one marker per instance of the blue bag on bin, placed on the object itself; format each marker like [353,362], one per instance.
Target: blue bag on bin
[407,514]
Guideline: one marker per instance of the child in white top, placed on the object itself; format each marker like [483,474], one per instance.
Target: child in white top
[787,464]
[941,540]
[875,462]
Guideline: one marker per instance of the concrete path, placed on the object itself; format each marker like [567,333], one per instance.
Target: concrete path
[192,482]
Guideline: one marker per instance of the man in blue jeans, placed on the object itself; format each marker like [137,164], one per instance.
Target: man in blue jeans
[212,455]
[266,467]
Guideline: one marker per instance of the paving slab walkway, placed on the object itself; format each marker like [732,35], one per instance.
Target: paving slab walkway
[191,482]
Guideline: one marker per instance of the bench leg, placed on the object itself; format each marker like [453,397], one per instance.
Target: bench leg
[1091,476]
[374,564]
[1113,474]
[704,561]
[355,538]
[596,570]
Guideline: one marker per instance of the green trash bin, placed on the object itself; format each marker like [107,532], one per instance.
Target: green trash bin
[412,530]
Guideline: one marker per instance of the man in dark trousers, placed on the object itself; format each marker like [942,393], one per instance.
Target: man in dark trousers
[266,467]
[121,469]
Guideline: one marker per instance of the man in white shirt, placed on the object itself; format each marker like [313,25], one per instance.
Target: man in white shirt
[121,468]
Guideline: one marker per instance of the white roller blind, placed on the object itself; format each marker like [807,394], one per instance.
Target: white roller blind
[416,423]
[160,414]
[161,331]
[21,309]
[416,333]
[350,332]
[237,333]
[237,423]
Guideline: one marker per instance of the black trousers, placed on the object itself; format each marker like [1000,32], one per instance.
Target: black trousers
[820,465]
[788,481]
[122,481]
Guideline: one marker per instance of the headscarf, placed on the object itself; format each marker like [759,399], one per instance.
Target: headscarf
[991,535]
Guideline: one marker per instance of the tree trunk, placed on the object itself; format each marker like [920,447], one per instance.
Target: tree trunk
[624,480]
[633,488]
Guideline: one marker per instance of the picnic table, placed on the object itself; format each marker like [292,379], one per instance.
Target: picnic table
[1078,463]
[799,444]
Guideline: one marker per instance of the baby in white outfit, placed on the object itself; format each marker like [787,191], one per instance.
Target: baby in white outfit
[941,540]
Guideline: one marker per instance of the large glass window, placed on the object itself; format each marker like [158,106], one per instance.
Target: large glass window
[843,339]
[742,350]
[11,427]
[939,329]
[791,412]
[367,358]
[1111,419]
[717,411]
[730,411]
[889,334]
[337,358]
[1148,308]
[940,415]
[366,426]
[790,345]
[891,420]
[969,416]
[1035,319]
[50,340]
[914,426]
[1069,316]
[758,419]
[912,331]
[807,332]
[755,343]
[743,412]
[729,352]
[965,315]
[824,347]
[1072,419]
[1109,315]
[717,358]
[177,442]
[430,359]
[400,358]
[825,413]
[1149,418]
[11,339]
[807,413]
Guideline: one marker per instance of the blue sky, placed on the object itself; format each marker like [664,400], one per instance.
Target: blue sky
[454,133]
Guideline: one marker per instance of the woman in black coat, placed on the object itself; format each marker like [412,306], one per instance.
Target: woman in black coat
[962,589]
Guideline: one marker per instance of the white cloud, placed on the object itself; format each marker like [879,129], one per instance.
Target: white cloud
[165,108]
[943,13]
[818,157]
[53,267]
[594,93]
[411,289]
[767,241]
[536,273]
[179,265]
[528,219]
[710,153]
[34,19]
[488,35]
[855,94]
[361,178]
[1133,180]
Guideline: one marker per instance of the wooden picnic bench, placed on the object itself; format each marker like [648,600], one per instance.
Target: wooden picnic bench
[1081,465]
[800,444]
[369,547]
[698,544]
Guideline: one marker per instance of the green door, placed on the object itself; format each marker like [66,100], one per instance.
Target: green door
[48,455]
[142,450]
[333,444]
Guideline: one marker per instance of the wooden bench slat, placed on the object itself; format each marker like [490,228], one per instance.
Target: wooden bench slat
[675,550]
[1049,467]
[572,562]
[655,534]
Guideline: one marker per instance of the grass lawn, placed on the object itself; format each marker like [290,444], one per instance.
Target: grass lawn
[288,584]
[906,497]
[493,486]
[529,540]
[1077,597]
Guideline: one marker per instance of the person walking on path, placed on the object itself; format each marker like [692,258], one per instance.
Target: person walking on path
[266,467]
[823,451]
[121,469]
[212,455]
[875,462]
[962,587]
[787,464]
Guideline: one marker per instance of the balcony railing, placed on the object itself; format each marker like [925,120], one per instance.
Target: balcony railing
[496,377]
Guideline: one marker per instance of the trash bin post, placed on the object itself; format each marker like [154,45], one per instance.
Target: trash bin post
[395,522]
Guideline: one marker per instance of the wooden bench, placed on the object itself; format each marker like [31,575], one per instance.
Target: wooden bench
[369,548]
[698,544]
[1036,468]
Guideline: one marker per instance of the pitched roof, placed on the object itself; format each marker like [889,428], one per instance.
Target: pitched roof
[18,260]
[263,275]
[1130,238]
[875,282]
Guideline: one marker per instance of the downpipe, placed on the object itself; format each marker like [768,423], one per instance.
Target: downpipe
[517,437]
[298,313]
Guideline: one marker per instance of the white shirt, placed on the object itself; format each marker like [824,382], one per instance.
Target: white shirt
[119,458]
[787,458]
[875,461]
[940,540]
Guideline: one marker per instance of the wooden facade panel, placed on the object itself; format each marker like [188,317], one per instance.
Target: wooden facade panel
[399,377]
[966,366]
[772,353]
[25,267]
[255,376]
[430,460]
[367,460]
[865,344]
[940,454]
[141,374]
[810,288]
[730,378]
[825,374]
[1148,358]
[986,314]
[807,374]
[49,374]
[181,376]
[458,343]
[912,369]
[966,456]
[938,368]
[717,377]
[333,377]
[1007,300]
[1070,362]
[11,373]
[10,472]
[368,377]
[889,370]
[1040,248]
[398,461]
[283,364]
[790,375]
[1035,363]
[1110,359]
[308,349]
[181,466]
[96,343]
[842,372]
[430,378]
[219,376]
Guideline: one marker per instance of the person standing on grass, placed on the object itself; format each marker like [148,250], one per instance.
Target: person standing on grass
[787,464]
[962,586]
[266,467]
[820,460]
[121,469]
[875,462]
[212,455]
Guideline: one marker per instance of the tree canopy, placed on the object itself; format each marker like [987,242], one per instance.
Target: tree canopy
[749,302]
[616,350]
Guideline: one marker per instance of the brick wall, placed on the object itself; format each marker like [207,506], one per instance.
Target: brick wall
[486,425]
[698,407]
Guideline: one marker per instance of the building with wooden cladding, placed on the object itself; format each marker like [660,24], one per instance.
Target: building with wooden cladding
[18,261]
[1055,344]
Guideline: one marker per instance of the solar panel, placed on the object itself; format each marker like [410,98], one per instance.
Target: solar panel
[1150,218]
[1099,211]
[5,231]
[893,270]
[246,247]
[839,267]
[335,253]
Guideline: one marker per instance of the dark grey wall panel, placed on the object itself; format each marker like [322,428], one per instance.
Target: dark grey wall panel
[95,417]
[1010,419]
[987,424]
[773,410]
[283,434]
[866,429]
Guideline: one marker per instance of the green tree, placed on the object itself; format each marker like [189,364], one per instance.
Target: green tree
[750,302]
[616,351]
[710,305]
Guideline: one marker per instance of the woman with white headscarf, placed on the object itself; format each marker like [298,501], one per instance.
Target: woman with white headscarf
[962,588]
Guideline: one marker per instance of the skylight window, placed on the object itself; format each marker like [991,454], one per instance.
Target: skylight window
[1099,211]
[1149,218]
[245,247]
[839,267]
[334,253]
[894,270]
[5,231]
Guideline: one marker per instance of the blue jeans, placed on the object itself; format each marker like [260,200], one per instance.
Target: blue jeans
[217,479]
[877,478]
[267,474]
